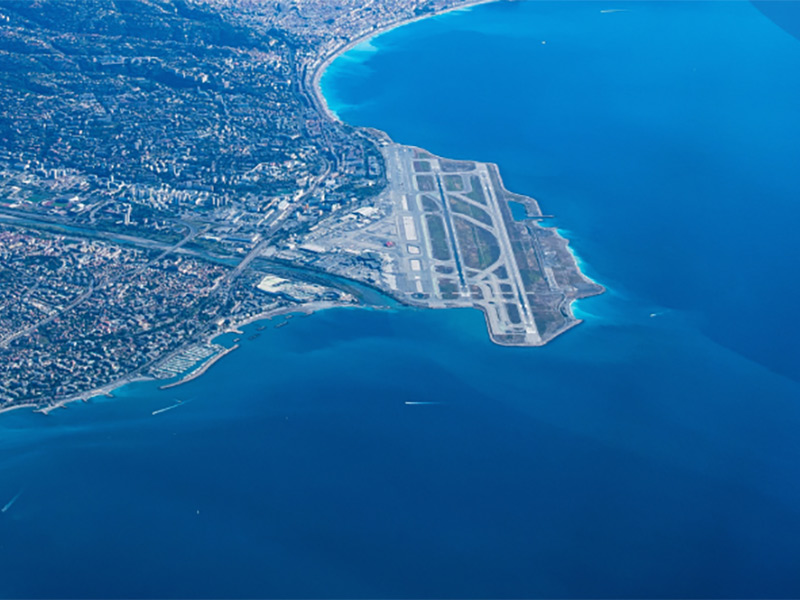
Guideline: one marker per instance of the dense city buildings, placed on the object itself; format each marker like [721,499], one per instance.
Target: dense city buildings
[168,171]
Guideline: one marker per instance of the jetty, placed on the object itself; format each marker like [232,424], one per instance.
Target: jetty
[200,370]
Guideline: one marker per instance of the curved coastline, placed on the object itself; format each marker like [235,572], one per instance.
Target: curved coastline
[319,69]
[321,103]
[313,84]
[193,373]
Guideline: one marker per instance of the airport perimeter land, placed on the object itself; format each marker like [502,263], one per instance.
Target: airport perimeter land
[447,236]
[447,239]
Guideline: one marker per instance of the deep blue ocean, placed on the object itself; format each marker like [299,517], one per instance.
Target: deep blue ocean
[652,451]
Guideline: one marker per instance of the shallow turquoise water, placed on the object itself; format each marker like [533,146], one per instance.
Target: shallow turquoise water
[664,138]
[637,456]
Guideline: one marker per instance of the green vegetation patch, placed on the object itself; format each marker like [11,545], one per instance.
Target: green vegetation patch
[530,277]
[527,263]
[476,193]
[500,272]
[479,248]
[453,183]
[440,247]
[513,313]
[454,166]
[422,166]
[548,321]
[39,196]
[426,183]
[430,205]
[465,208]
[448,288]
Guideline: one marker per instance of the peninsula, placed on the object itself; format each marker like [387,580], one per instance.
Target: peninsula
[169,171]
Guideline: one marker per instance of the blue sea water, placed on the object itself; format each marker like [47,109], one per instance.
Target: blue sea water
[652,451]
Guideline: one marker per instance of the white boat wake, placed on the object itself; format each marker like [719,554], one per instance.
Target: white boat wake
[10,502]
[166,408]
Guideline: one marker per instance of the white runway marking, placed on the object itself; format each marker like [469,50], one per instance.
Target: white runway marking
[410,229]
